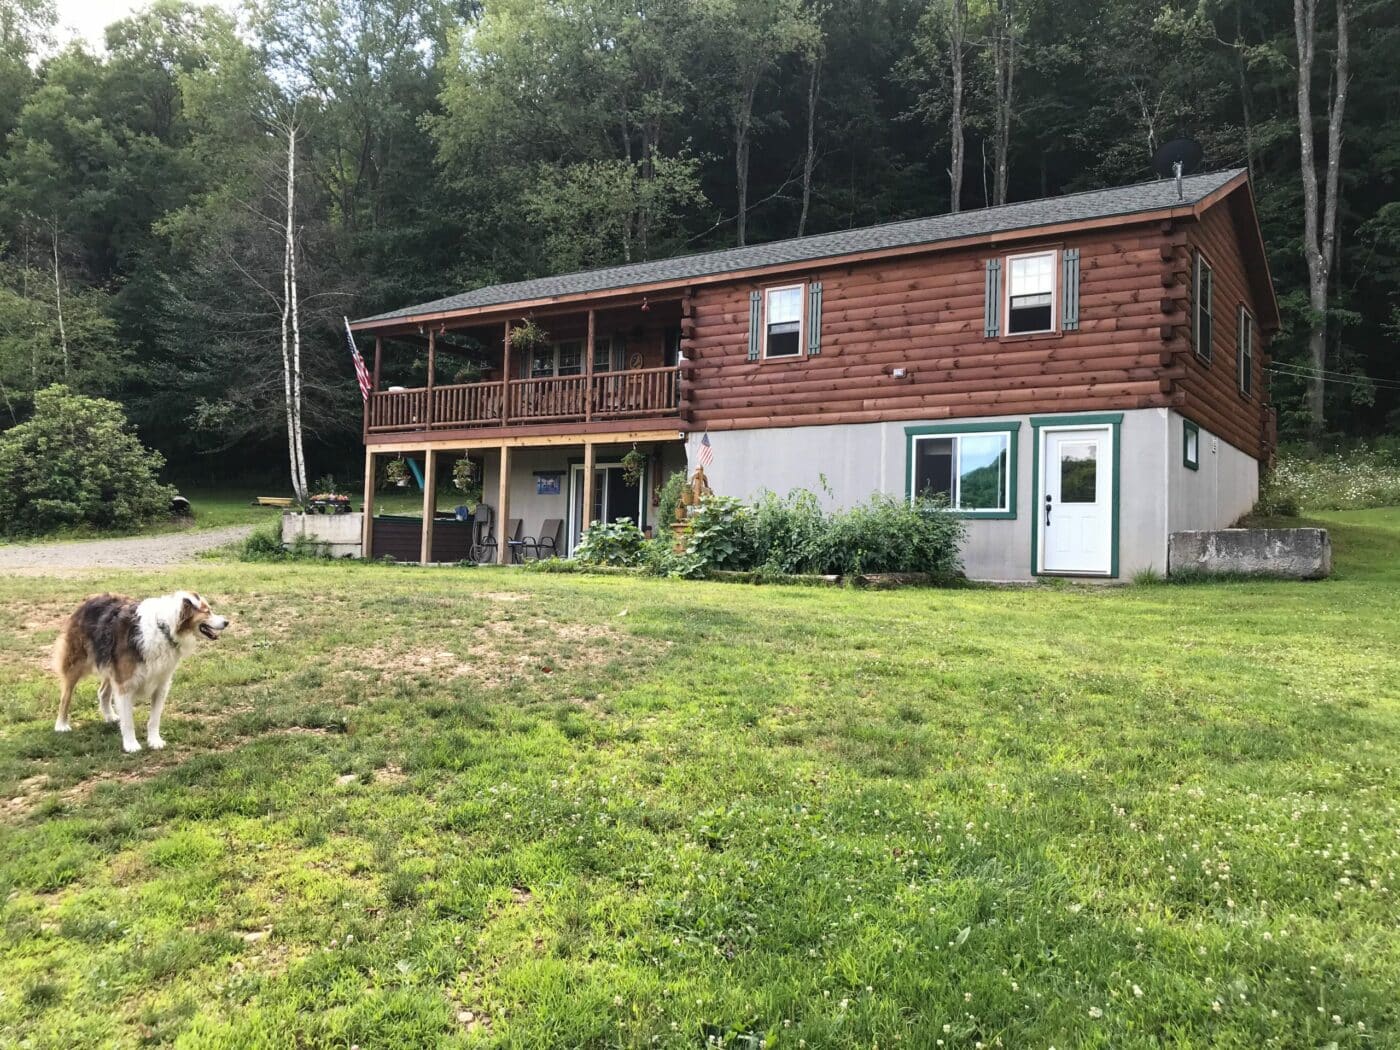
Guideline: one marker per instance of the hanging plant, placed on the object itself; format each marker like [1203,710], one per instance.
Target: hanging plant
[467,482]
[396,472]
[633,464]
[527,335]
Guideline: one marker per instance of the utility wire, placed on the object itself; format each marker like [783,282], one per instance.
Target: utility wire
[1310,371]
[1344,382]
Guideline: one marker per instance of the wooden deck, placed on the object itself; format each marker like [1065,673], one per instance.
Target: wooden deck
[641,393]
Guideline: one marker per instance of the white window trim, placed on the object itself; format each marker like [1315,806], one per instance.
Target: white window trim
[1197,285]
[1054,254]
[1244,351]
[801,288]
[1007,436]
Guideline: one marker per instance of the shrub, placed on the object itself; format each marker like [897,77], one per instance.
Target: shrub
[265,544]
[667,499]
[722,533]
[1349,480]
[892,535]
[791,533]
[611,543]
[77,462]
[660,559]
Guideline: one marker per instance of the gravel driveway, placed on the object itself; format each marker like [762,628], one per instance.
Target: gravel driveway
[134,552]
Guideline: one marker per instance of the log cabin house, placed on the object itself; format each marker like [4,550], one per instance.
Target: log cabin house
[1080,376]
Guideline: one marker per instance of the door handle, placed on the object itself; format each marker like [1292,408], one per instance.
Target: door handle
[1047,510]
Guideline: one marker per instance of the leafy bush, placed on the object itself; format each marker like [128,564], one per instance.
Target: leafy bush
[722,533]
[265,544]
[1347,480]
[892,535]
[611,543]
[659,559]
[790,533]
[77,462]
[667,499]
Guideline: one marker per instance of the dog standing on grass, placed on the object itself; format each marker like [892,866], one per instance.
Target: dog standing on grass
[134,647]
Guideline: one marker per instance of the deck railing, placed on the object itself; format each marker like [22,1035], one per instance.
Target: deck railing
[635,393]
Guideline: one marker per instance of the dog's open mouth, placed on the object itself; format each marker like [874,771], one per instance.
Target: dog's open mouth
[209,632]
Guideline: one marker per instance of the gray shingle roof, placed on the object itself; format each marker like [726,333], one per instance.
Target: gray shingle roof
[1049,211]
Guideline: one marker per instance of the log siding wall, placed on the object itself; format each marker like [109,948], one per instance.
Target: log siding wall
[1213,399]
[926,314]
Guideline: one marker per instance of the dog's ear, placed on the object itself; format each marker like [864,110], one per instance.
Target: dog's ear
[192,600]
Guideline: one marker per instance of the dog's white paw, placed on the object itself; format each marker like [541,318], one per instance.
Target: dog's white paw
[62,727]
[155,742]
[110,717]
[131,748]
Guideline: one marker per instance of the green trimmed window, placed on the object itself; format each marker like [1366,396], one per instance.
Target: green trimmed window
[1203,306]
[973,468]
[1244,351]
[1190,445]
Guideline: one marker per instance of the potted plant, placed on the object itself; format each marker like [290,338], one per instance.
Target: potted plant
[527,335]
[396,472]
[467,481]
[633,464]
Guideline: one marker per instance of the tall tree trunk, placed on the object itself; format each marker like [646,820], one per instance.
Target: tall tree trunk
[1004,62]
[1319,242]
[809,162]
[1246,111]
[291,326]
[957,35]
[58,301]
[743,120]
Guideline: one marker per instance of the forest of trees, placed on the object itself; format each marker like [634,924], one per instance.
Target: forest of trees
[147,232]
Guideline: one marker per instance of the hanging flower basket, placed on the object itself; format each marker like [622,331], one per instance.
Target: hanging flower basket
[633,464]
[466,481]
[527,335]
[396,472]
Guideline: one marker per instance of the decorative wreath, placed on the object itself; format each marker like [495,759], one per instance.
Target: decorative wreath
[635,361]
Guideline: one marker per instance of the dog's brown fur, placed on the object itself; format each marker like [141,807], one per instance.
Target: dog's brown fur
[108,636]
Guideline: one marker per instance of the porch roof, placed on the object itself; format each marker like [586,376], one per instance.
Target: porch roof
[1087,208]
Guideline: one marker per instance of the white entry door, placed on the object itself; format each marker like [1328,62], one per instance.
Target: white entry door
[1076,504]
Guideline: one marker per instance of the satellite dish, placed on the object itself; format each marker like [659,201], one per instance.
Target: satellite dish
[1184,151]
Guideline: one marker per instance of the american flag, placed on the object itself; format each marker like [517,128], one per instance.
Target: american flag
[361,373]
[705,454]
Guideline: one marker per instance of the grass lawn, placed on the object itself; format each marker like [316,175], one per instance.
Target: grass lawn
[479,807]
[213,508]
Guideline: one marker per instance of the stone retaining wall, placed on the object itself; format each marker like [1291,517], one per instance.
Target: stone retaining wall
[1302,554]
[342,533]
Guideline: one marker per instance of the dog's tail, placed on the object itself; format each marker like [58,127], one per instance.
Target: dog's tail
[58,658]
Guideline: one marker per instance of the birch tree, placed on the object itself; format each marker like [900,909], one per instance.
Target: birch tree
[1319,238]
[291,315]
[957,40]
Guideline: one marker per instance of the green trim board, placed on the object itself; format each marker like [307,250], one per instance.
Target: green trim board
[1188,431]
[1112,420]
[1011,428]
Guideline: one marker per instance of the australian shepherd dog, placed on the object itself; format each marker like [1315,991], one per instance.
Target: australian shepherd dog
[134,647]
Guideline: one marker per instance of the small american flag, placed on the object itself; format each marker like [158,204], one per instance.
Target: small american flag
[361,373]
[705,455]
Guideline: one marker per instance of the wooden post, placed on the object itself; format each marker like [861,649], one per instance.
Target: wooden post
[429,504]
[432,367]
[588,370]
[367,526]
[503,510]
[588,472]
[505,378]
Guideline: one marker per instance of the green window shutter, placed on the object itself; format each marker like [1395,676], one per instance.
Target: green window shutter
[755,333]
[1195,283]
[814,319]
[992,308]
[1069,295]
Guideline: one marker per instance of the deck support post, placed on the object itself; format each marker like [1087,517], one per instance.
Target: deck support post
[432,367]
[367,525]
[588,368]
[429,503]
[505,377]
[503,510]
[589,459]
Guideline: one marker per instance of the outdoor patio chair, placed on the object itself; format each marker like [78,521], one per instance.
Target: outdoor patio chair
[546,544]
[514,542]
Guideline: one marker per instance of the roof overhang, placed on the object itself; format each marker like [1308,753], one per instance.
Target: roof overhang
[624,295]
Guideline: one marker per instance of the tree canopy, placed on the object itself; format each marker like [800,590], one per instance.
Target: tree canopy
[446,143]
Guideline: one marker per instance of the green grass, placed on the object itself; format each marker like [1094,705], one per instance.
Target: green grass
[406,807]
[213,508]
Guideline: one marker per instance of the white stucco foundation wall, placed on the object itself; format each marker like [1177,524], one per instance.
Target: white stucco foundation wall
[845,464]
[1224,486]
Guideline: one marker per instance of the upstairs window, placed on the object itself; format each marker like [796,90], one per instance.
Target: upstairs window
[782,321]
[1030,293]
[1244,351]
[1202,299]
